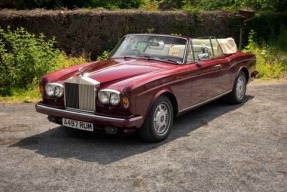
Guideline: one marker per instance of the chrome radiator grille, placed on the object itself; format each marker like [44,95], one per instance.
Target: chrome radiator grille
[80,96]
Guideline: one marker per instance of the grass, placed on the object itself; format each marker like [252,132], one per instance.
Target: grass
[29,95]
[32,92]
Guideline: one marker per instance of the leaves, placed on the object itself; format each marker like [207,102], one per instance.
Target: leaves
[270,59]
[24,57]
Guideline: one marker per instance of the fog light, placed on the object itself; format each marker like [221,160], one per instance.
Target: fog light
[111,130]
[129,130]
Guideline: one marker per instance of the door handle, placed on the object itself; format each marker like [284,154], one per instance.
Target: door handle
[219,66]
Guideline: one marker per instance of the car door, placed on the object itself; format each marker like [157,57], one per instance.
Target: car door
[213,78]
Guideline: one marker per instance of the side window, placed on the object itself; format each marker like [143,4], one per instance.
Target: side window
[190,55]
[202,49]
[216,48]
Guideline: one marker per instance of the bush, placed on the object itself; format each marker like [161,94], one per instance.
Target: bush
[271,60]
[259,5]
[105,55]
[25,58]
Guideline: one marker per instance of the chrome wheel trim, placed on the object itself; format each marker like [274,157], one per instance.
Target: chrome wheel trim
[162,118]
[240,87]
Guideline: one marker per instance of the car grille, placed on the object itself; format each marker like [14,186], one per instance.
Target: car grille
[80,96]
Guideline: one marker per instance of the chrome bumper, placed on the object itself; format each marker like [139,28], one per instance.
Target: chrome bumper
[91,118]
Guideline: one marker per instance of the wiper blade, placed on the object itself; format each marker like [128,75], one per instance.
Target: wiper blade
[160,59]
[176,62]
[148,57]
[126,57]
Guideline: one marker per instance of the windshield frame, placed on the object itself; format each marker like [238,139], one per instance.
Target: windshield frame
[147,57]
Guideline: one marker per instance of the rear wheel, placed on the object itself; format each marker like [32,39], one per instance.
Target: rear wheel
[239,89]
[159,121]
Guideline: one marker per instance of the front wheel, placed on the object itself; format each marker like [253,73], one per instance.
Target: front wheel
[158,122]
[239,89]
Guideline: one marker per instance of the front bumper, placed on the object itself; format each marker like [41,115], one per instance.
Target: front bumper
[131,122]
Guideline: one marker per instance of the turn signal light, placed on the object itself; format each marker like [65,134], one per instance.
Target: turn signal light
[126,102]
[41,90]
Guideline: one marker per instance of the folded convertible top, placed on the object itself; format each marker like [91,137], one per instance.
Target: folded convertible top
[228,45]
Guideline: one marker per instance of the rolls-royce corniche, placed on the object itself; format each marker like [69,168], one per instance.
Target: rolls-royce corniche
[147,81]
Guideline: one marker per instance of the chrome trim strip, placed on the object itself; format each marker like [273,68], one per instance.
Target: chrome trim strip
[110,90]
[39,106]
[84,80]
[55,84]
[204,102]
[87,97]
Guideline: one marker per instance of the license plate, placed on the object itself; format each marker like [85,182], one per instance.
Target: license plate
[78,124]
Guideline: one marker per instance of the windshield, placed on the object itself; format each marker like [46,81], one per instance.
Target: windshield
[164,48]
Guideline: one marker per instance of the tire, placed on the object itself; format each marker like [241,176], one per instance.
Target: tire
[239,89]
[158,122]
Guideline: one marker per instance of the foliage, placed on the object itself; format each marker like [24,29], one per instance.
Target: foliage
[258,5]
[27,95]
[171,4]
[271,60]
[217,4]
[151,5]
[65,60]
[24,58]
[104,55]
[270,27]
[194,5]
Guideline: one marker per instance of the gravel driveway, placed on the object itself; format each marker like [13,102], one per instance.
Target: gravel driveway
[218,147]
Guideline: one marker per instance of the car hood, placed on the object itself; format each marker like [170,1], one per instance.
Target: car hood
[111,71]
[114,71]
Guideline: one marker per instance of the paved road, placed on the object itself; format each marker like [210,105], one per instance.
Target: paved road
[218,147]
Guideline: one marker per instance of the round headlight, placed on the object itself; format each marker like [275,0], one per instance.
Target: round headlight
[50,90]
[114,99]
[104,97]
[59,91]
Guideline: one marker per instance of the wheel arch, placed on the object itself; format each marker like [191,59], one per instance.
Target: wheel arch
[148,131]
[245,71]
[170,96]
[173,101]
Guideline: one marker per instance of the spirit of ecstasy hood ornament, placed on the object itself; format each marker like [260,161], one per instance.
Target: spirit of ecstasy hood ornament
[80,70]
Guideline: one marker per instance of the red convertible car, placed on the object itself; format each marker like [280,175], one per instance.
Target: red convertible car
[148,80]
